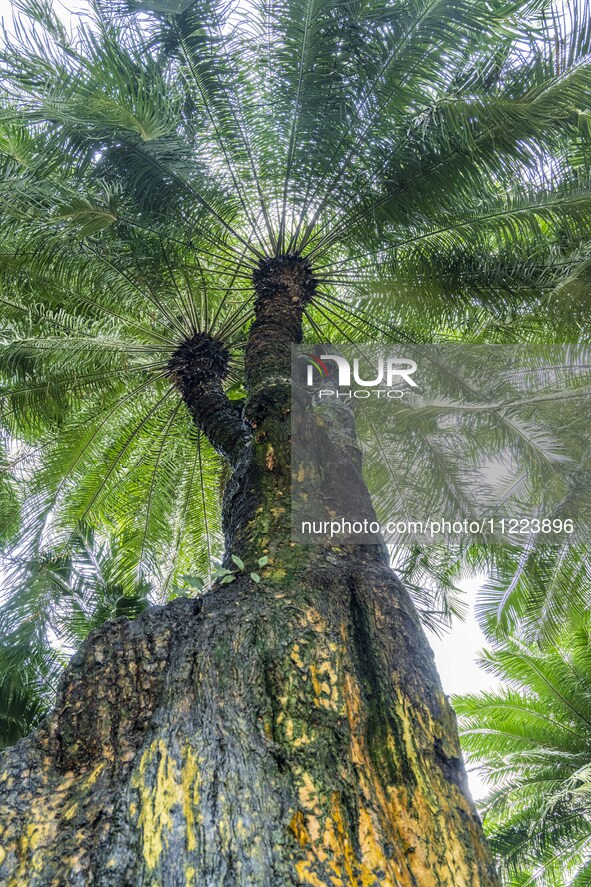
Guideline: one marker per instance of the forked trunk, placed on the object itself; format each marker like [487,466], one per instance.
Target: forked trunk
[292,732]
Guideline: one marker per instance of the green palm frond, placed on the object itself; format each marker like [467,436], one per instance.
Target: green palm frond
[60,598]
[531,739]
[532,592]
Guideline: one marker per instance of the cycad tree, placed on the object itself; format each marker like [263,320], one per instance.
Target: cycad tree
[188,189]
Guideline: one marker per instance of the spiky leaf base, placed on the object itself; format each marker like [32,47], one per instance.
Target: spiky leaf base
[198,369]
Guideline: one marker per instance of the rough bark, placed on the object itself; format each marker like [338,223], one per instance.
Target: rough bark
[288,733]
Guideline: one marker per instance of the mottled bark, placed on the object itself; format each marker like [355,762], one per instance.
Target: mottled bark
[288,733]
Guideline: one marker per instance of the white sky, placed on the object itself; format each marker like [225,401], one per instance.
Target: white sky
[456,653]
[69,9]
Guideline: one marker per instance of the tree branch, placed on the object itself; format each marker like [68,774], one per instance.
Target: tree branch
[197,369]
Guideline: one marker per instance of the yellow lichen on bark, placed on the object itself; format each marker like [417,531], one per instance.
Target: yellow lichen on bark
[161,787]
[39,831]
[191,787]
[155,802]
[298,827]
[331,860]
[414,819]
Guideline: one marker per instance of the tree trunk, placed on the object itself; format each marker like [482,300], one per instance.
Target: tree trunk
[292,732]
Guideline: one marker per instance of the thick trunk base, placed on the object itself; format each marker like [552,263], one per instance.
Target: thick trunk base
[291,733]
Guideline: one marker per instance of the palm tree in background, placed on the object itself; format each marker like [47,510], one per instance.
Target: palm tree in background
[188,189]
[59,598]
[532,740]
